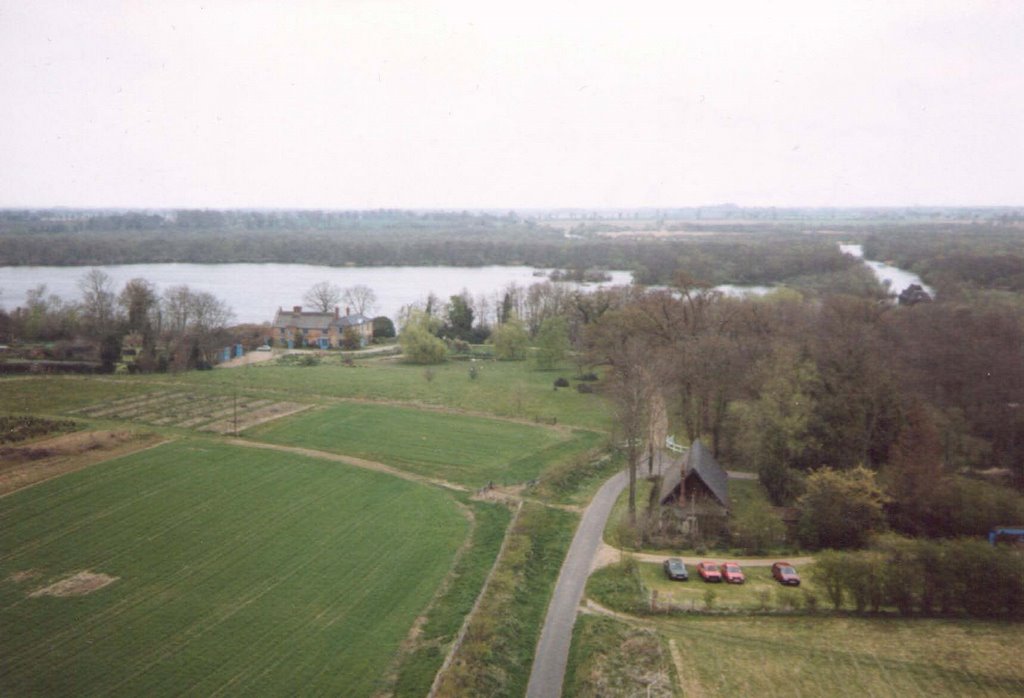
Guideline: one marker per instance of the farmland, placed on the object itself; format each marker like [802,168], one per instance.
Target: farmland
[232,569]
[464,449]
[212,567]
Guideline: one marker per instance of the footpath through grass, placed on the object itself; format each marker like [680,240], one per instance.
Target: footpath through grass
[459,448]
[236,571]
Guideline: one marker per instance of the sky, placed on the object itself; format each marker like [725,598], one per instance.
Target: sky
[419,104]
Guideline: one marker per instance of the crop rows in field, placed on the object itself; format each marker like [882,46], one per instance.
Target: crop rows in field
[203,568]
[169,408]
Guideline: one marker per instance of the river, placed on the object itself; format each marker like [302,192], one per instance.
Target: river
[255,291]
[893,278]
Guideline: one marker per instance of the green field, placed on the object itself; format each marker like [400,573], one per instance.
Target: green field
[747,656]
[459,448]
[238,571]
[503,388]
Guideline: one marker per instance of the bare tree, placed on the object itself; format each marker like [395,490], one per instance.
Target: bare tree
[614,342]
[97,301]
[360,298]
[323,296]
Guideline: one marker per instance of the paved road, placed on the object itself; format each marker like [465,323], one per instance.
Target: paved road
[555,637]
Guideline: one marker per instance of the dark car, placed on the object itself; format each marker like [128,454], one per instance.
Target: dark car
[709,571]
[675,569]
[732,573]
[785,574]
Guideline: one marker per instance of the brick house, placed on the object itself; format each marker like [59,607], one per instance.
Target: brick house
[297,328]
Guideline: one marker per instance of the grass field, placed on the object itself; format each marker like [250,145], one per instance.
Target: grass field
[503,388]
[237,571]
[61,394]
[468,450]
[745,656]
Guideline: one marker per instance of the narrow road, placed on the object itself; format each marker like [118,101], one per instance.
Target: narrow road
[555,637]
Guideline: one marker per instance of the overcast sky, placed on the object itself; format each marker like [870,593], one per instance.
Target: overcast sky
[352,104]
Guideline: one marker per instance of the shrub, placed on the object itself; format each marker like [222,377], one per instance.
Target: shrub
[421,347]
[585,388]
[561,383]
[510,341]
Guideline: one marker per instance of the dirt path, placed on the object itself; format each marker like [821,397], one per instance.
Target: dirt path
[350,460]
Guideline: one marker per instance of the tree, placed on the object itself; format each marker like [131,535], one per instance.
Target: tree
[360,298]
[841,509]
[778,423]
[419,345]
[613,342]
[510,340]
[97,301]
[383,327]
[324,296]
[460,318]
[552,342]
[138,300]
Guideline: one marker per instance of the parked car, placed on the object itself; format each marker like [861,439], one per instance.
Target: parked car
[264,347]
[709,571]
[732,573]
[785,574]
[675,569]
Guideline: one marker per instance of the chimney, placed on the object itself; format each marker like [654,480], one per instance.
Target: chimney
[347,311]
[296,309]
[336,313]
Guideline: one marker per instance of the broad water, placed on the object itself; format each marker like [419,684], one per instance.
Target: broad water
[255,291]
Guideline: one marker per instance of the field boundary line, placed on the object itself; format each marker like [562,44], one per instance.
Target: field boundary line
[461,635]
[349,460]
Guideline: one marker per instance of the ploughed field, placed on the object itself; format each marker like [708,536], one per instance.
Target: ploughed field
[200,567]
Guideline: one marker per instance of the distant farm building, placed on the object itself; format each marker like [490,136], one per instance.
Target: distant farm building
[298,328]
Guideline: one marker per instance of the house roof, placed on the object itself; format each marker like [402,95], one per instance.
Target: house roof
[670,480]
[305,320]
[699,461]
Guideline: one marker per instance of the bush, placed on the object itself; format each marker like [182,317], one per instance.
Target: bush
[561,383]
[510,341]
[584,388]
[421,347]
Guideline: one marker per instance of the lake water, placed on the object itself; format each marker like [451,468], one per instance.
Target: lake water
[893,278]
[255,291]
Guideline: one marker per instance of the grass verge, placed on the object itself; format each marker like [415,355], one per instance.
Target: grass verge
[497,653]
[612,658]
[420,664]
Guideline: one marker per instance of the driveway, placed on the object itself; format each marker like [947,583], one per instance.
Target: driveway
[555,637]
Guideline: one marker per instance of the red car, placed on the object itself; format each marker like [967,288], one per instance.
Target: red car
[732,573]
[785,574]
[709,571]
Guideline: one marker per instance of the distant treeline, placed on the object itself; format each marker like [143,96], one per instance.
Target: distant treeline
[957,260]
[399,238]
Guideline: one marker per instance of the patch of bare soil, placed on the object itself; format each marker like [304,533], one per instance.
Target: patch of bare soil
[26,465]
[80,584]
[22,576]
